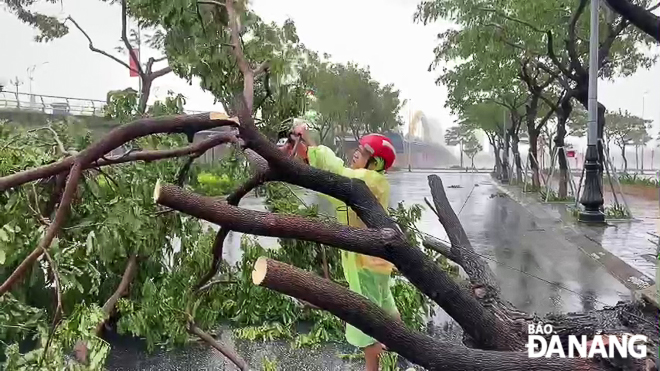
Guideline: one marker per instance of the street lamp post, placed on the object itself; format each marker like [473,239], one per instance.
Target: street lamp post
[30,72]
[592,197]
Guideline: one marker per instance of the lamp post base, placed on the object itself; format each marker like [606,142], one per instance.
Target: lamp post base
[591,217]
[592,197]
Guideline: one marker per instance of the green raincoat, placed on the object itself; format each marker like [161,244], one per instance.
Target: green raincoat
[368,276]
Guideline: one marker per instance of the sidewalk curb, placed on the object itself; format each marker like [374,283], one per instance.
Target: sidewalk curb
[640,284]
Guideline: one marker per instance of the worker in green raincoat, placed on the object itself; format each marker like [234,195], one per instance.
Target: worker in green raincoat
[366,275]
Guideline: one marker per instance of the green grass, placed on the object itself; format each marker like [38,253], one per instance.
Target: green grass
[626,178]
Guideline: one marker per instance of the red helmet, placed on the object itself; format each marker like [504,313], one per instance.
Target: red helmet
[379,146]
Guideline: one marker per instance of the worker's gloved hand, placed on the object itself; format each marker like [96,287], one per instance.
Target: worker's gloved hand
[302,131]
[301,148]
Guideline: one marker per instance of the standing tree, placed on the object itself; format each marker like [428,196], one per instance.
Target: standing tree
[458,136]
[640,138]
[551,34]
[487,117]
[471,148]
[625,129]
[50,28]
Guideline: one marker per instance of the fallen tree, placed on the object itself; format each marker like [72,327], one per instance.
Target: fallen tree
[496,332]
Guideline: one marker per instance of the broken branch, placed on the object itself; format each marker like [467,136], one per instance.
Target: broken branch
[114,139]
[385,243]
[461,249]
[189,122]
[126,279]
[230,354]
[419,348]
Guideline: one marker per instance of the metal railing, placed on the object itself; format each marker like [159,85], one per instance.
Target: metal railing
[55,105]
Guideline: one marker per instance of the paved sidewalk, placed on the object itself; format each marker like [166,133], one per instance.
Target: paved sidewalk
[622,248]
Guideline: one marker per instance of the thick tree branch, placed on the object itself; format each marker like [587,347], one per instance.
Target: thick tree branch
[638,16]
[218,243]
[563,80]
[230,354]
[604,48]
[461,249]
[126,280]
[237,50]
[93,48]
[114,139]
[546,117]
[194,150]
[14,180]
[571,45]
[430,353]
[440,247]
[553,56]
[159,73]
[124,38]
[57,316]
[388,244]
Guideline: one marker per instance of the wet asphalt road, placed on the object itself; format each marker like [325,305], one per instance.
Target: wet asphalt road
[558,277]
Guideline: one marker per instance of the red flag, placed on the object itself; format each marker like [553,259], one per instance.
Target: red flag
[133,63]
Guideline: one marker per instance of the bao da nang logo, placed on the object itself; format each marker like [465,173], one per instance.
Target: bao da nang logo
[542,343]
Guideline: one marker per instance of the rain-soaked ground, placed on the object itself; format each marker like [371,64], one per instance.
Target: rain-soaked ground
[539,268]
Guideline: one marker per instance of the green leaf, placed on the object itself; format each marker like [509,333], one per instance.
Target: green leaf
[3,235]
[2,256]
[90,242]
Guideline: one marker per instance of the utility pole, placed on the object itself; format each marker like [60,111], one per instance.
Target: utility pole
[592,197]
[16,82]
[30,72]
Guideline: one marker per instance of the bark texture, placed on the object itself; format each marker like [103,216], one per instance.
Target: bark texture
[388,244]
[422,349]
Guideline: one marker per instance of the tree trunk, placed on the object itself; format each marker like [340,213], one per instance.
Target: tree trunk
[461,149]
[498,161]
[505,158]
[144,95]
[636,157]
[516,158]
[533,157]
[562,193]
[625,160]
[563,112]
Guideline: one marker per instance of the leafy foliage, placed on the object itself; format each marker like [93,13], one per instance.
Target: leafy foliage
[49,27]
[471,147]
[625,129]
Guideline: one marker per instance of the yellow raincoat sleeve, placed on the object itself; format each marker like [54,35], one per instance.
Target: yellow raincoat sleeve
[324,158]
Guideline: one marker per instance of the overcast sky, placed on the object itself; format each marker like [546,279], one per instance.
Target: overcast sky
[376,33]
